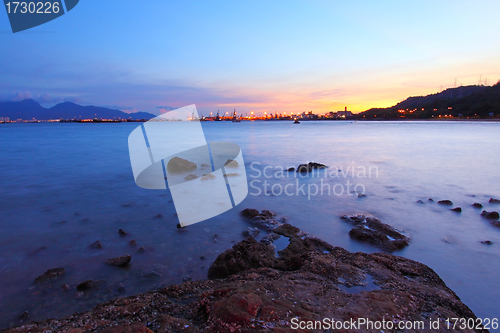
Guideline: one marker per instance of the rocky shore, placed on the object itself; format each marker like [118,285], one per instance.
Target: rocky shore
[255,287]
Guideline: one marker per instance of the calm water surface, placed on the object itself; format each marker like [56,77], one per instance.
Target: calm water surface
[64,186]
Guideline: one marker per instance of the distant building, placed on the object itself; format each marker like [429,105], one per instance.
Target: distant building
[4,119]
[344,114]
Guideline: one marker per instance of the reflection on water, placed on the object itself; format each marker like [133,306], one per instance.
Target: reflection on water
[65,186]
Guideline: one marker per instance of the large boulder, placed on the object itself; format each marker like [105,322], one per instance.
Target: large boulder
[255,291]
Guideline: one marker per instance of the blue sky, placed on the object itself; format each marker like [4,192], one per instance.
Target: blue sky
[253,56]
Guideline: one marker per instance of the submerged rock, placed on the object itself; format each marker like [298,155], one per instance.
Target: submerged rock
[494,201]
[208,176]
[373,231]
[191,176]
[232,174]
[252,290]
[420,202]
[51,274]
[249,212]
[24,316]
[445,202]
[128,328]
[264,220]
[290,169]
[178,164]
[96,245]
[119,261]
[303,168]
[457,209]
[251,232]
[490,215]
[477,205]
[87,285]
[122,232]
[487,242]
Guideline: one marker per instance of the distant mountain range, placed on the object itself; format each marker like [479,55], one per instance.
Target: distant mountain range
[29,110]
[467,102]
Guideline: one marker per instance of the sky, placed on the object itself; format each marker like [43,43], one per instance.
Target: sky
[261,56]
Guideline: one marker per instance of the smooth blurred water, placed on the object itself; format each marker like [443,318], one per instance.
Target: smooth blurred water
[64,186]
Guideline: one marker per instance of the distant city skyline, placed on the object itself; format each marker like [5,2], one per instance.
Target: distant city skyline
[264,57]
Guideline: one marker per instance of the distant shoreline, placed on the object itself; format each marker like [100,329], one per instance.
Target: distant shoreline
[262,120]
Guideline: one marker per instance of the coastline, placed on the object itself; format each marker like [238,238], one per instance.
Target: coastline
[256,286]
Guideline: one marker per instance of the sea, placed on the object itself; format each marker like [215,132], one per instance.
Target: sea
[64,186]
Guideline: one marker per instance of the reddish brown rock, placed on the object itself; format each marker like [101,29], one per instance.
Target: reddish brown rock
[445,202]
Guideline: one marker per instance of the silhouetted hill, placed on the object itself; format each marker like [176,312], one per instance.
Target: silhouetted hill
[467,102]
[29,109]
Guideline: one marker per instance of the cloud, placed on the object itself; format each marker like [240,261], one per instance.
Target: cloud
[15,96]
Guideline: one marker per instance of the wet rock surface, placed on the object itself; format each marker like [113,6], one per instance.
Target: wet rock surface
[96,245]
[208,176]
[264,220]
[51,274]
[251,232]
[494,201]
[372,230]
[231,164]
[253,288]
[191,176]
[490,215]
[445,202]
[309,167]
[87,285]
[119,261]
[178,164]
